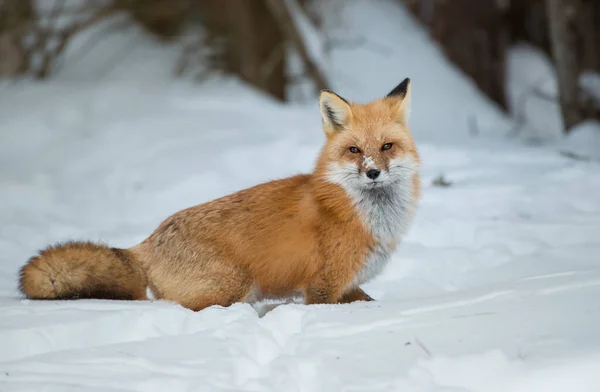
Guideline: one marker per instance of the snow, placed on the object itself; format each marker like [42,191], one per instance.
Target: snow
[494,289]
[532,90]
[583,142]
[590,83]
[368,161]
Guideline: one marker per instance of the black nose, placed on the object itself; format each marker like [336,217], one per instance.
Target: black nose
[373,174]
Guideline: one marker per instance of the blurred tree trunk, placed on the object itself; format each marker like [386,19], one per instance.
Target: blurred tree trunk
[529,22]
[254,44]
[163,18]
[474,35]
[588,24]
[588,31]
[16,16]
[562,16]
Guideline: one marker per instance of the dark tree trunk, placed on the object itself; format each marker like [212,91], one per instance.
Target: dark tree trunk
[528,21]
[254,44]
[163,18]
[16,17]
[474,35]
[562,15]
[588,24]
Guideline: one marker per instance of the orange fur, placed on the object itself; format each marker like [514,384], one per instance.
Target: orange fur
[315,234]
[81,270]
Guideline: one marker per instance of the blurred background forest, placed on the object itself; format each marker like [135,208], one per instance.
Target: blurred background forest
[252,39]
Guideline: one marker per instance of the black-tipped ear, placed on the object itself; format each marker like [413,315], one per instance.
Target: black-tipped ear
[400,90]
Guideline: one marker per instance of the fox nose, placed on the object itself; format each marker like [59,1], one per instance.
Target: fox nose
[373,174]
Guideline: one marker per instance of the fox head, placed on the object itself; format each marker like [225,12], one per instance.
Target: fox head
[368,145]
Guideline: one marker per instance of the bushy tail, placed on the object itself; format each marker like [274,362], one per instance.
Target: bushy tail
[83,270]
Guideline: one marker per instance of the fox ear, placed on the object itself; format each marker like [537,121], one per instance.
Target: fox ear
[401,90]
[335,111]
[401,93]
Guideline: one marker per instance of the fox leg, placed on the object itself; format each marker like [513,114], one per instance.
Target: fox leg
[355,294]
[322,292]
[326,289]
[336,275]
[326,294]
[215,284]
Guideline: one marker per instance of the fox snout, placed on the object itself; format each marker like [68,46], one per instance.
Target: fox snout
[373,173]
[370,167]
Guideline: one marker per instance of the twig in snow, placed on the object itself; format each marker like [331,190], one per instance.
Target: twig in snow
[440,181]
[572,155]
[422,347]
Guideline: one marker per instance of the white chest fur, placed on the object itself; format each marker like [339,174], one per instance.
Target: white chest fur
[386,211]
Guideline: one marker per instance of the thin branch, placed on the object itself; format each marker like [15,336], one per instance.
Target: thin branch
[64,36]
[57,9]
[288,26]
[270,64]
[423,347]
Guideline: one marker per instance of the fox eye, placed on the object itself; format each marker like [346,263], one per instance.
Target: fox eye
[386,146]
[354,150]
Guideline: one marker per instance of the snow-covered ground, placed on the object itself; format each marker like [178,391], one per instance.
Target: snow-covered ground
[495,289]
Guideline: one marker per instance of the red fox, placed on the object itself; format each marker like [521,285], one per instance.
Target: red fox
[321,235]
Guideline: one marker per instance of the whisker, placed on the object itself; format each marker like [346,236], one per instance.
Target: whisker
[403,168]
